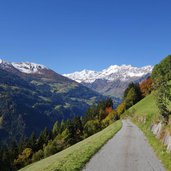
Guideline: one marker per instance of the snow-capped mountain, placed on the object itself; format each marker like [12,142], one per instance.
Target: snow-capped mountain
[33,97]
[114,72]
[24,67]
[113,80]
[27,67]
[4,64]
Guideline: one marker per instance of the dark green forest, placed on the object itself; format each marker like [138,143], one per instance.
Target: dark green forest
[29,103]
[61,136]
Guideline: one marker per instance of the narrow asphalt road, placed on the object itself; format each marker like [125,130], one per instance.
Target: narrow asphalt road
[128,150]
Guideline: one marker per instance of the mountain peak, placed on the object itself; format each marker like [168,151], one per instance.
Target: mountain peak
[24,67]
[28,67]
[119,66]
[3,61]
[112,73]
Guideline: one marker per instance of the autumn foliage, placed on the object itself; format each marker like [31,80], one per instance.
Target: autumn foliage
[146,87]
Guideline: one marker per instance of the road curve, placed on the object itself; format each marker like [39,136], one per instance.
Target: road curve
[128,150]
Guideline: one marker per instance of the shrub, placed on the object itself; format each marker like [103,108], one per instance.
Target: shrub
[37,156]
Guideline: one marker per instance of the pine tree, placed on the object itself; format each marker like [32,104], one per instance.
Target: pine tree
[55,129]
[32,142]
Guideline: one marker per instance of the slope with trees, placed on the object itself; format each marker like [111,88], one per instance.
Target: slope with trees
[63,135]
[31,102]
[161,76]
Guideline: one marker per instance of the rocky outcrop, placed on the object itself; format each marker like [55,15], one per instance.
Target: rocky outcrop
[156,129]
[167,141]
[162,134]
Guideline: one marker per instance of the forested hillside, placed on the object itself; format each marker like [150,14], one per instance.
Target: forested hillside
[60,137]
[34,98]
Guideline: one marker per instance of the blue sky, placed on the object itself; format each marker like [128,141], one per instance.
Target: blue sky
[70,35]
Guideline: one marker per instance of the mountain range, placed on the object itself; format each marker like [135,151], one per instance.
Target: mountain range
[33,97]
[112,80]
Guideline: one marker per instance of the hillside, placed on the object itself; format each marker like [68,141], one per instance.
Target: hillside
[33,97]
[146,106]
[146,115]
[75,157]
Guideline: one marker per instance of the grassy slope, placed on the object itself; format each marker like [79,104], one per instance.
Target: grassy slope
[75,157]
[147,108]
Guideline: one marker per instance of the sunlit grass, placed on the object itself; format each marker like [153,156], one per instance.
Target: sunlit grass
[158,147]
[148,109]
[75,157]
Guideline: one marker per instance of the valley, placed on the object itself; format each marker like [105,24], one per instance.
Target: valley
[27,88]
[34,97]
[85,85]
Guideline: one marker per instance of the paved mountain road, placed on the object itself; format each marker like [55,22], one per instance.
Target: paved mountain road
[128,150]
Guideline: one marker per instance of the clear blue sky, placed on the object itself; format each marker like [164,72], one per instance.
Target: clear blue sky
[70,35]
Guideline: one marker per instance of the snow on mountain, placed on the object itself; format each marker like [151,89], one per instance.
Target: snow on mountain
[27,67]
[2,62]
[114,72]
[85,75]
[5,64]
[24,67]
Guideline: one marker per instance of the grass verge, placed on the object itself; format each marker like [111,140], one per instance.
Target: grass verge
[75,157]
[157,145]
[148,110]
